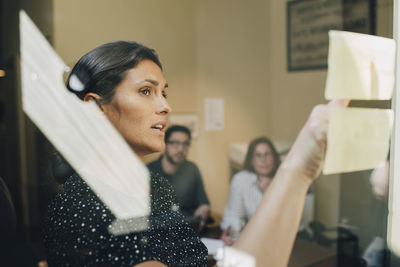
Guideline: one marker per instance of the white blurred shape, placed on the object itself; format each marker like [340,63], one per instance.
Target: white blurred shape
[379,180]
[212,244]
[374,253]
[75,84]
[231,257]
[79,130]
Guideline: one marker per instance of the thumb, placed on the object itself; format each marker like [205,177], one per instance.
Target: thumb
[338,103]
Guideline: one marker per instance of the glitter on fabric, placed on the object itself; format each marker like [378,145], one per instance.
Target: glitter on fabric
[77,231]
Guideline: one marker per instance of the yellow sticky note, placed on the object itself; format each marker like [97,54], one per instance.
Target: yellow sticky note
[360,66]
[358,139]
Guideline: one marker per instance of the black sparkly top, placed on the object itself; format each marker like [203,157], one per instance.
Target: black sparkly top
[77,223]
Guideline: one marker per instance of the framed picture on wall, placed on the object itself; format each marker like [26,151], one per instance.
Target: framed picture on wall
[308,24]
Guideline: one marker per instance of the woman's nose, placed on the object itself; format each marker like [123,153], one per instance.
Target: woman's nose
[163,106]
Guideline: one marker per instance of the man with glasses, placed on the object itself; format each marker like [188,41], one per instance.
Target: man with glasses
[183,175]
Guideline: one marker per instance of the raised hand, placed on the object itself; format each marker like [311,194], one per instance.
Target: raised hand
[308,152]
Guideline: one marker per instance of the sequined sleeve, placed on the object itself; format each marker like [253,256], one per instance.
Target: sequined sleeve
[77,224]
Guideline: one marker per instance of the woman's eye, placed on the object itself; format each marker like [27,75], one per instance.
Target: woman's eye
[145,91]
[165,95]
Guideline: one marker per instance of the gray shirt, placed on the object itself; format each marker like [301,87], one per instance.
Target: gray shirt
[187,183]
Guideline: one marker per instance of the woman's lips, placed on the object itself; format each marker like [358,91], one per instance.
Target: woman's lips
[159,127]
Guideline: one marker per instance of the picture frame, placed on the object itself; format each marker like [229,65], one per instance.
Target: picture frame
[308,24]
[189,120]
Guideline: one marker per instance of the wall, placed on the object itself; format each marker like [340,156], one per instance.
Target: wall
[294,95]
[232,63]
[166,26]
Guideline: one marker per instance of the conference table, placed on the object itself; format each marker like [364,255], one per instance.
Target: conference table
[306,253]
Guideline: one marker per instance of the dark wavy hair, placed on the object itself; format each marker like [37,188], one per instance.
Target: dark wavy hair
[248,164]
[102,69]
[177,128]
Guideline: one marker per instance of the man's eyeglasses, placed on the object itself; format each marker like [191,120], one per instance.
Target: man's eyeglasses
[177,143]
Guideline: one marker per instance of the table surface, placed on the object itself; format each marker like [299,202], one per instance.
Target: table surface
[306,253]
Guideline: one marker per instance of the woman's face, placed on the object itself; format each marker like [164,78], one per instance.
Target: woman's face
[263,159]
[139,108]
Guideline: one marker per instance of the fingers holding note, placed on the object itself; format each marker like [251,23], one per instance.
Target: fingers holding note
[308,151]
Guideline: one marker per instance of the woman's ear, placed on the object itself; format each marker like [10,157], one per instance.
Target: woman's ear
[94,97]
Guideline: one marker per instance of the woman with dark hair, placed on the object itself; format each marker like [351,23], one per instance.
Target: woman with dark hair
[126,81]
[248,186]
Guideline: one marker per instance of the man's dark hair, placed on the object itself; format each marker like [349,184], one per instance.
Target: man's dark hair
[177,128]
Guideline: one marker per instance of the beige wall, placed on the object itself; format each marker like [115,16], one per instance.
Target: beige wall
[166,26]
[231,49]
[232,63]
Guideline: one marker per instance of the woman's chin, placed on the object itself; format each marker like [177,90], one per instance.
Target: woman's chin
[156,148]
